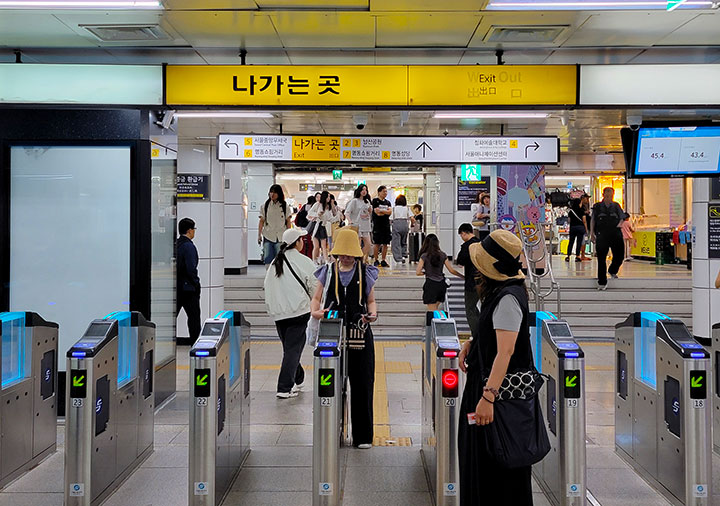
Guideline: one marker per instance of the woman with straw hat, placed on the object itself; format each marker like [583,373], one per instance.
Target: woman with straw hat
[347,285]
[503,345]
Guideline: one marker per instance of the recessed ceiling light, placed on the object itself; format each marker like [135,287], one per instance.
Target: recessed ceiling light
[593,5]
[490,115]
[80,4]
[223,114]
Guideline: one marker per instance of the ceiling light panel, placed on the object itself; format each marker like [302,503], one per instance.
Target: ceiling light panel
[492,115]
[223,114]
[80,4]
[524,34]
[592,5]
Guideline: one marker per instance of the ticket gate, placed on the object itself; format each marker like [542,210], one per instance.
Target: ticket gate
[109,422]
[219,407]
[28,401]
[441,387]
[562,474]
[662,416]
[715,351]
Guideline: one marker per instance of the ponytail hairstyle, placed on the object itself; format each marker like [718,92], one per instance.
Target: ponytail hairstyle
[280,257]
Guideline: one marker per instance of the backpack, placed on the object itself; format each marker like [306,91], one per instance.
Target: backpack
[301,220]
[606,219]
[559,199]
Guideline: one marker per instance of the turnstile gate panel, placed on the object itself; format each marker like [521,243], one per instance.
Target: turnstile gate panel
[219,407]
[329,411]
[662,419]
[109,406]
[715,386]
[28,401]
[562,474]
[441,389]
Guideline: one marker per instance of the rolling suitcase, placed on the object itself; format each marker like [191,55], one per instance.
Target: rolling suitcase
[414,245]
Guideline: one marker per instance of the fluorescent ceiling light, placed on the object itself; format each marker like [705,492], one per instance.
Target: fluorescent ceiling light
[223,114]
[490,115]
[592,5]
[80,4]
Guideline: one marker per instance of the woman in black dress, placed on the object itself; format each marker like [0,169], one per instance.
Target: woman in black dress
[503,345]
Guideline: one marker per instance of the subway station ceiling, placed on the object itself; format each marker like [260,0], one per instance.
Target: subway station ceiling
[354,32]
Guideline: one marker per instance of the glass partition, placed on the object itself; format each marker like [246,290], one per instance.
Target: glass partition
[70,234]
[645,349]
[15,356]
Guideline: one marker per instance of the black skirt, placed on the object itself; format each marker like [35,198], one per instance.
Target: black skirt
[434,291]
[482,481]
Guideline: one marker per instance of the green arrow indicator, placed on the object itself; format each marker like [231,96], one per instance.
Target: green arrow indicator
[201,380]
[571,382]
[78,381]
[325,380]
[696,382]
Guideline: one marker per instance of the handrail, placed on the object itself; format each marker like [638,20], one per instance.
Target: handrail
[534,244]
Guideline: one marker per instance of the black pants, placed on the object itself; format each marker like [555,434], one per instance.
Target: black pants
[361,372]
[606,242]
[472,313]
[292,337]
[190,302]
[576,232]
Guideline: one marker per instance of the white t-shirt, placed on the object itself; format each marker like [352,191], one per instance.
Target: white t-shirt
[401,213]
[360,212]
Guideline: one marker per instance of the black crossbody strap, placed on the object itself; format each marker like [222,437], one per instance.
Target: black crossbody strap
[289,266]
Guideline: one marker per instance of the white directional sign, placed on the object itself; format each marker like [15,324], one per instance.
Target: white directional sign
[294,148]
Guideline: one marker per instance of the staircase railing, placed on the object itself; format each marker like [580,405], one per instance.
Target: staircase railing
[536,253]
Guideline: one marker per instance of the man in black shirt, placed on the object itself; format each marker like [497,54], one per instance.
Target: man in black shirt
[382,234]
[607,216]
[471,296]
[188,281]
[578,228]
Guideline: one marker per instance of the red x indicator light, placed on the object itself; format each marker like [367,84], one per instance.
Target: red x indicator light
[450,380]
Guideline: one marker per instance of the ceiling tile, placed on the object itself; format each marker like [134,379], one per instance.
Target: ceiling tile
[325,29]
[230,56]
[313,4]
[424,5]
[419,57]
[38,29]
[426,30]
[209,4]
[310,57]
[628,28]
[591,56]
[702,30]
[224,28]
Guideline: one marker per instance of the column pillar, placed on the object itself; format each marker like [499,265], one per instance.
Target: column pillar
[446,210]
[209,217]
[236,218]
[260,177]
[705,298]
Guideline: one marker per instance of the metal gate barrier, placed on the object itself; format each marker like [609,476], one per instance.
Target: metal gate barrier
[330,415]
[441,387]
[562,474]
[219,407]
[715,350]
[28,401]
[109,423]
[662,416]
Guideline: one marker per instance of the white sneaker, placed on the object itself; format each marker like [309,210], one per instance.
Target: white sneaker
[365,446]
[298,388]
[286,395]
[602,287]
[614,276]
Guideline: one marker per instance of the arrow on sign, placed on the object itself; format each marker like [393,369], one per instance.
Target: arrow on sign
[571,382]
[78,381]
[425,146]
[696,382]
[202,381]
[534,145]
[237,146]
[325,380]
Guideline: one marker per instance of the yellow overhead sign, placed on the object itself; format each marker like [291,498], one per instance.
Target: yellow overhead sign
[371,86]
[483,85]
[322,149]
[286,85]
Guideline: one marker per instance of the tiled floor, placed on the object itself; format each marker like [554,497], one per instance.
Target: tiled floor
[278,470]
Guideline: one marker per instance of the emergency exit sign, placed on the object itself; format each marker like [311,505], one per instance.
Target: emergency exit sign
[337,175]
[674,4]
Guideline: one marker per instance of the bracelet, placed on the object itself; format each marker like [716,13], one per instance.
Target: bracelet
[488,400]
[492,391]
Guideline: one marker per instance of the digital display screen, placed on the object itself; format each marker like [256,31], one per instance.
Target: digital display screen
[201,382]
[572,384]
[97,329]
[678,331]
[213,329]
[330,329]
[446,329]
[698,384]
[559,329]
[326,382]
[677,151]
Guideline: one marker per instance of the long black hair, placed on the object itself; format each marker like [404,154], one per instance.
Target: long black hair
[486,286]
[280,258]
[358,193]
[325,201]
[431,247]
